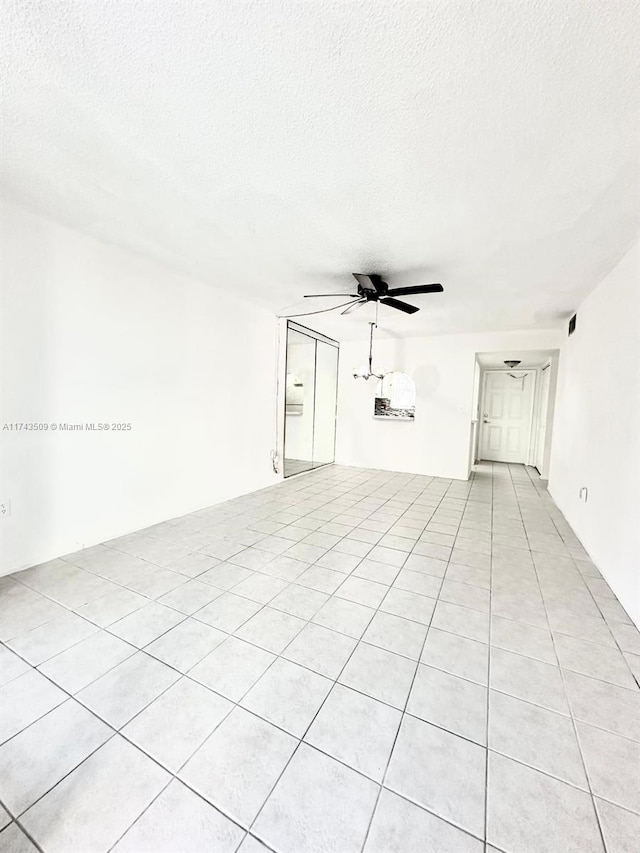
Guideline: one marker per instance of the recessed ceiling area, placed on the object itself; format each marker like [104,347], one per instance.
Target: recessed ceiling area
[273,149]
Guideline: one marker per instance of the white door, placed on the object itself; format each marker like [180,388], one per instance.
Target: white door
[542,420]
[507,407]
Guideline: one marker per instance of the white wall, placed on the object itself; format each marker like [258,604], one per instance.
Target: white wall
[597,430]
[93,333]
[438,441]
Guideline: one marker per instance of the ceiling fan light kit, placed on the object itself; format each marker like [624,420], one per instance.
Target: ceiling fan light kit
[364,372]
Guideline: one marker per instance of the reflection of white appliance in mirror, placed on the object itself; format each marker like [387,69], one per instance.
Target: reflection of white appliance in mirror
[395,397]
[294,398]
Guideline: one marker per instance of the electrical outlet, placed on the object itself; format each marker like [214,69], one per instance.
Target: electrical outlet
[5,508]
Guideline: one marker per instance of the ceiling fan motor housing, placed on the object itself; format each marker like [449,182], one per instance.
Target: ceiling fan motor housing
[381,288]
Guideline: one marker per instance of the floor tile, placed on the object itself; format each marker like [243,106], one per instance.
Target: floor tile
[252,845]
[225,576]
[40,644]
[299,601]
[339,562]
[321,579]
[285,568]
[227,612]
[461,620]
[626,636]
[590,628]
[11,666]
[37,758]
[472,576]
[83,663]
[353,547]
[535,736]
[418,582]
[232,668]
[100,800]
[318,804]
[362,591]
[155,581]
[178,722]
[24,699]
[107,609]
[465,595]
[621,828]
[146,624]
[357,730]
[271,629]
[260,588]
[179,820]
[457,655]
[440,771]
[604,705]
[321,650]
[426,565]
[597,661]
[399,826]
[193,564]
[190,596]
[380,573]
[396,634]
[528,679]
[288,696]
[452,703]
[408,605]
[238,765]
[523,639]
[306,552]
[127,688]
[344,616]
[276,561]
[221,549]
[185,645]
[530,812]
[633,662]
[13,840]
[390,556]
[380,674]
[613,764]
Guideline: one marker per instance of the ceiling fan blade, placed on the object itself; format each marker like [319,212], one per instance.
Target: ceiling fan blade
[419,288]
[316,295]
[364,281]
[353,305]
[401,306]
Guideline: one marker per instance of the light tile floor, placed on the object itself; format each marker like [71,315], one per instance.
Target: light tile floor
[349,661]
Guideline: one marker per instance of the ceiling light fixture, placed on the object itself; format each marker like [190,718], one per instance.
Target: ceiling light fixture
[363,372]
[512,362]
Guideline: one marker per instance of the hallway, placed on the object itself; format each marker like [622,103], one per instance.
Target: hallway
[351,660]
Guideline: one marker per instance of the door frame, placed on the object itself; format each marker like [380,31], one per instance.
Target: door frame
[538,415]
[533,409]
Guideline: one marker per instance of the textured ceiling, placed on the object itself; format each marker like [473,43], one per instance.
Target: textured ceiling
[274,147]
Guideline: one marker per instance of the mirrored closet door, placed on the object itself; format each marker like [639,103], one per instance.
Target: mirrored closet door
[310,400]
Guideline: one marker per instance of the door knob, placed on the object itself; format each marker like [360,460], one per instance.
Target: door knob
[485,421]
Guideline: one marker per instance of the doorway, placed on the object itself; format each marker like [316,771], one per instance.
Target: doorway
[311,394]
[507,415]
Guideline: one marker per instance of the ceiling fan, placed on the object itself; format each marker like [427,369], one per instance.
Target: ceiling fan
[371,288]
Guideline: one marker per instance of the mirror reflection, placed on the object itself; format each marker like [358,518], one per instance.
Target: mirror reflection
[310,401]
[395,397]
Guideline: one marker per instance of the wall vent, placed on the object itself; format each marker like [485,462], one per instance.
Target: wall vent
[572,324]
